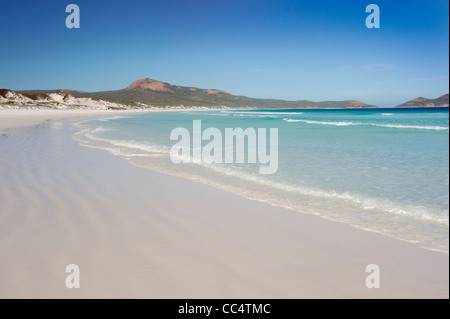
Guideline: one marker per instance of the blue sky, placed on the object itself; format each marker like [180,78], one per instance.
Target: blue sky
[314,50]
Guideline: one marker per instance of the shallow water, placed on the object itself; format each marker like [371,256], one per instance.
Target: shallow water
[384,170]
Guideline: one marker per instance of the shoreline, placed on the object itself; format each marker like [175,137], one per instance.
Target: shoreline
[238,191]
[219,245]
[272,193]
[20,118]
[15,118]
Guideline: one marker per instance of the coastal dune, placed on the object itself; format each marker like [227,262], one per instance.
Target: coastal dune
[138,233]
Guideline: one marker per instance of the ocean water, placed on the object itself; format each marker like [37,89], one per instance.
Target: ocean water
[382,170]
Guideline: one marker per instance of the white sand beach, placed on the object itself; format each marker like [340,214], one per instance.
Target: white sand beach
[27,117]
[138,233]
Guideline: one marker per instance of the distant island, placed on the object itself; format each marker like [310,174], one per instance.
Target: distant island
[441,101]
[149,93]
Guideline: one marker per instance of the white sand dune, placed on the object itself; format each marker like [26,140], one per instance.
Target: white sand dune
[137,233]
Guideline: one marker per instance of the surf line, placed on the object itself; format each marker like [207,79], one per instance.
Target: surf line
[233,141]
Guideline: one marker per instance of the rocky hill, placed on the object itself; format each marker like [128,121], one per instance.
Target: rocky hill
[154,92]
[441,101]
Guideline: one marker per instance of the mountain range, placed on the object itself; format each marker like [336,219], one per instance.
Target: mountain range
[154,92]
[148,92]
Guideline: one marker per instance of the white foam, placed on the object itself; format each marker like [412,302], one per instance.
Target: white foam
[347,123]
[263,113]
[100,129]
[416,127]
[254,115]
[341,123]
[127,144]
[107,119]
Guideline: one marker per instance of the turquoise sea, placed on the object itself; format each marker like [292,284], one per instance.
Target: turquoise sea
[383,170]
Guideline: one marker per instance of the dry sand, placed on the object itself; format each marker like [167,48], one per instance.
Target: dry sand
[19,118]
[137,233]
